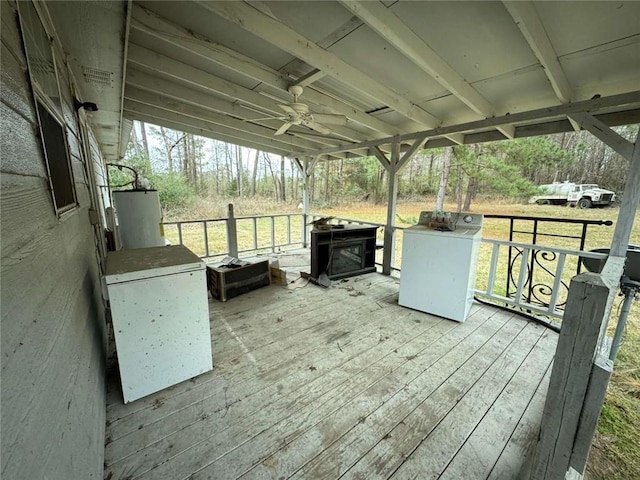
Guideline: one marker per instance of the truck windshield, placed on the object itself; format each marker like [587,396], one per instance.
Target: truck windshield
[589,187]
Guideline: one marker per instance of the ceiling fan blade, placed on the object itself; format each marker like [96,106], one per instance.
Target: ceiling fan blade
[283,128]
[287,109]
[264,118]
[318,128]
[330,119]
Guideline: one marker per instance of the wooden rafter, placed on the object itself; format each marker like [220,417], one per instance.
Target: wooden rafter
[630,99]
[232,110]
[161,29]
[309,78]
[598,129]
[163,65]
[167,103]
[525,16]
[386,24]
[280,35]
[201,129]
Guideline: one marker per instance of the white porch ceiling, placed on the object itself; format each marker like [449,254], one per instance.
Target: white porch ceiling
[92,34]
[392,68]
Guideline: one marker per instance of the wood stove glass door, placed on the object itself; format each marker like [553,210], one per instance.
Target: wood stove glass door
[348,258]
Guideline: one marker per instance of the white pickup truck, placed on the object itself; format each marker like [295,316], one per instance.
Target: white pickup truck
[585,195]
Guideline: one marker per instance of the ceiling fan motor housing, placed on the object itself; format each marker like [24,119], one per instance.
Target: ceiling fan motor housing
[296,91]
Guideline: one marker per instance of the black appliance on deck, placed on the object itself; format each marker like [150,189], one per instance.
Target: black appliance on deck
[342,251]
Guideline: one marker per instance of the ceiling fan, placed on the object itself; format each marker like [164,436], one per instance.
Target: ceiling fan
[298,113]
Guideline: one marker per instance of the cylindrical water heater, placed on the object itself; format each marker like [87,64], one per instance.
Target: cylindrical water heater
[139,218]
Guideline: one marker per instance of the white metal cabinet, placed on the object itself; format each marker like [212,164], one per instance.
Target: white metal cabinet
[160,315]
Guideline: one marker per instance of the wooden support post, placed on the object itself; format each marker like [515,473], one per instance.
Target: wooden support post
[628,205]
[389,249]
[305,201]
[588,306]
[393,167]
[232,232]
[594,398]
[306,169]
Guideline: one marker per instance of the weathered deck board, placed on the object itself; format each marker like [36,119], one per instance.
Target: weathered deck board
[264,320]
[479,453]
[239,387]
[237,375]
[314,383]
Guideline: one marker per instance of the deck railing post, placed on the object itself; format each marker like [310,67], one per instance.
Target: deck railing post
[273,234]
[232,232]
[573,393]
[205,235]
[388,252]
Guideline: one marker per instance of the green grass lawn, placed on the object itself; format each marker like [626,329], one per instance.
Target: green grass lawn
[615,454]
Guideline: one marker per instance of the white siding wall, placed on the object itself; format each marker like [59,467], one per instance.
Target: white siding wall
[52,326]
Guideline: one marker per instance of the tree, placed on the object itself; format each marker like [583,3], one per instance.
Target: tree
[444,179]
[239,169]
[254,175]
[283,182]
[145,143]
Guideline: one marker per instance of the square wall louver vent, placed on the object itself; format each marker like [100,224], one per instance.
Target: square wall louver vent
[97,76]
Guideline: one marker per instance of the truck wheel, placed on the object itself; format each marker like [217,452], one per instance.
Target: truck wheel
[544,202]
[584,203]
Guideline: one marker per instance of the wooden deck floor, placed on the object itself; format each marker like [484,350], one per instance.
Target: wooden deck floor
[342,383]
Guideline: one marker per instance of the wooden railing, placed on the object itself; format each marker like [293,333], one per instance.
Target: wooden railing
[217,237]
[509,280]
[528,277]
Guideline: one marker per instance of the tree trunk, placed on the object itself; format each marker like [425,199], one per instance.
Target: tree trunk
[134,138]
[185,160]
[274,178]
[430,172]
[145,143]
[283,195]
[444,178]
[471,191]
[168,148]
[254,175]
[239,169]
[294,180]
[229,166]
[326,181]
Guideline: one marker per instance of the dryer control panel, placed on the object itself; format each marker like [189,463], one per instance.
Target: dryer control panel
[450,220]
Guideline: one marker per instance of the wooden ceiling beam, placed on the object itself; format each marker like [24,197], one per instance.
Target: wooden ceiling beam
[148,59]
[605,134]
[198,130]
[233,111]
[154,99]
[309,78]
[529,23]
[388,26]
[526,17]
[283,37]
[181,122]
[149,23]
[549,114]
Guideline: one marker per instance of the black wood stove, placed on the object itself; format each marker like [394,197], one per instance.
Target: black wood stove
[343,250]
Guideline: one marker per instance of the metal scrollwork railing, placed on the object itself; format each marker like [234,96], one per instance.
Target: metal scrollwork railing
[537,278]
[539,288]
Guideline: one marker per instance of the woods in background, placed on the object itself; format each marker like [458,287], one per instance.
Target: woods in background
[183,166]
